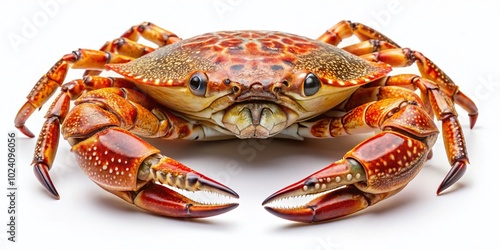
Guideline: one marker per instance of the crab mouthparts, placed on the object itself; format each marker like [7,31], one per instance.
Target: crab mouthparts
[257,119]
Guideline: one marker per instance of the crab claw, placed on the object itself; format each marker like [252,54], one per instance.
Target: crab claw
[163,184]
[127,166]
[334,194]
[158,198]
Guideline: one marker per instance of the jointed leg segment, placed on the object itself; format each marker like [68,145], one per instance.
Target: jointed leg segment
[377,47]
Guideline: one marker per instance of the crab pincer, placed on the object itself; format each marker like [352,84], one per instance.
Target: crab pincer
[124,165]
[334,191]
[365,176]
[162,200]
[133,170]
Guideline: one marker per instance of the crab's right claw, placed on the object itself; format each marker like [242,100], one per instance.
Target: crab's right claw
[163,183]
[157,197]
[163,172]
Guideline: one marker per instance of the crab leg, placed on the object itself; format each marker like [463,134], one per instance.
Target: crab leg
[377,47]
[127,43]
[54,78]
[368,47]
[48,140]
[148,31]
[345,29]
[46,145]
[119,50]
[402,57]
[374,170]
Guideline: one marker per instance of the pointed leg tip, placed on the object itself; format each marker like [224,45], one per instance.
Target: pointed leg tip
[472,120]
[26,131]
[456,172]
[42,174]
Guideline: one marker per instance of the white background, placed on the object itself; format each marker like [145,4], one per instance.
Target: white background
[460,37]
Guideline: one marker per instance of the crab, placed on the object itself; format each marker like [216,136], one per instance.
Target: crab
[248,84]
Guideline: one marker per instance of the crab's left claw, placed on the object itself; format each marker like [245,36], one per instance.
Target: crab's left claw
[334,190]
[369,173]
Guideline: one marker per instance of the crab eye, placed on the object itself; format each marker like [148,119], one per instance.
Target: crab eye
[311,84]
[198,83]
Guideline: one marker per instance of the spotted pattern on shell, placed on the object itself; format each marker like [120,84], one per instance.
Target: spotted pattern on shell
[248,57]
[110,164]
[389,158]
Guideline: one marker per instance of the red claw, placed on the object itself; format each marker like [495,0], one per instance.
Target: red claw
[147,179]
[365,176]
[336,195]
[338,203]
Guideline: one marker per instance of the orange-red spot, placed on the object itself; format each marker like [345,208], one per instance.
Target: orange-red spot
[287,41]
[231,43]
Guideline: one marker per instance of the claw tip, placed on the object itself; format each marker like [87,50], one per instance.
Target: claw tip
[456,172]
[42,174]
[472,120]
[217,187]
[26,131]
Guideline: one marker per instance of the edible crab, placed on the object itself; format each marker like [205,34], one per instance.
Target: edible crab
[248,84]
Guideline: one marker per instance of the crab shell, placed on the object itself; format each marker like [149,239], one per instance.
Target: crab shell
[252,84]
